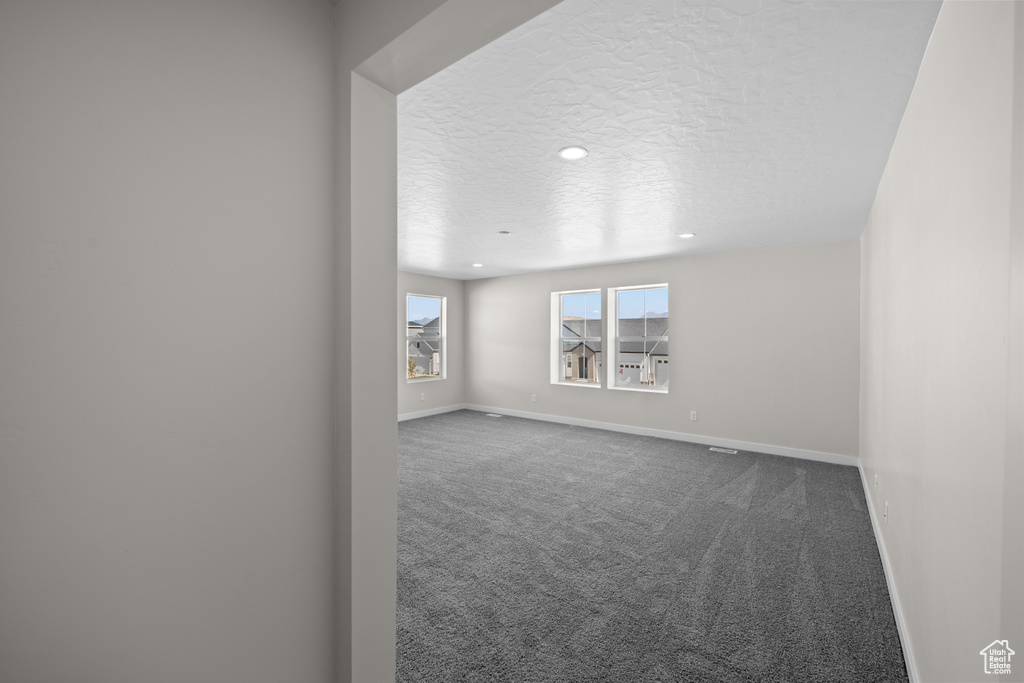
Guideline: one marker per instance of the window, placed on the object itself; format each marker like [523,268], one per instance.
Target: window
[424,337]
[577,338]
[641,337]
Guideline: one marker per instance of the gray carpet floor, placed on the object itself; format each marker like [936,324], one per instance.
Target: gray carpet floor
[531,551]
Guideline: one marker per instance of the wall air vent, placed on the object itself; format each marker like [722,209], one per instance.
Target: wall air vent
[723,450]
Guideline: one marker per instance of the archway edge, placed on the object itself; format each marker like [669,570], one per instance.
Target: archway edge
[365,373]
[455,29]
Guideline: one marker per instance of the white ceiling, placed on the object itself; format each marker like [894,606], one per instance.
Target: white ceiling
[751,124]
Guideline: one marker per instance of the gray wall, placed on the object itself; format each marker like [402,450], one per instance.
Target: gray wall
[941,378]
[166,287]
[427,395]
[764,346]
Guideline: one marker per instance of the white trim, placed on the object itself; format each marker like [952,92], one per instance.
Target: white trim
[634,287]
[556,331]
[611,378]
[834,458]
[556,336]
[442,342]
[901,624]
[648,390]
[424,379]
[592,290]
[433,411]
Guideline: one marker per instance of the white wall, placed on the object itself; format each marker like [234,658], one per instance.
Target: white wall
[434,394]
[166,222]
[764,345]
[941,345]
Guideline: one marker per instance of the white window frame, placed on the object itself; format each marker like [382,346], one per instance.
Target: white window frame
[557,354]
[442,338]
[613,326]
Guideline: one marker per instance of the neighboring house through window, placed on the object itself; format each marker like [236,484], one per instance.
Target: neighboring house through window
[641,337]
[425,333]
[578,337]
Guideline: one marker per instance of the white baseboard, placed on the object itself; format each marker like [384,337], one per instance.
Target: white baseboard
[901,624]
[833,458]
[432,411]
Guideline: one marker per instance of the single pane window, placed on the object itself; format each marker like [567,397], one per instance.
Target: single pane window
[574,308]
[657,303]
[631,304]
[424,355]
[592,314]
[590,362]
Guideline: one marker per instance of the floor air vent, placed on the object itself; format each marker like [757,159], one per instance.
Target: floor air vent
[723,450]
[493,415]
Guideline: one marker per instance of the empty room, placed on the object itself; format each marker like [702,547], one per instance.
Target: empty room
[365,341]
[651,299]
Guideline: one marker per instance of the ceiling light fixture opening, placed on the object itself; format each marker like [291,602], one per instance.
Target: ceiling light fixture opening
[478,265]
[688,235]
[572,153]
[504,233]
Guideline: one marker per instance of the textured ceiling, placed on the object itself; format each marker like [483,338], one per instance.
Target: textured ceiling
[751,124]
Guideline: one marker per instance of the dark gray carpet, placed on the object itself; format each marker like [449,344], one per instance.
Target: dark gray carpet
[531,551]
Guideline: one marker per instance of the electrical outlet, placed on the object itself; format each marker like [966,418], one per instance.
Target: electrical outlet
[886,514]
[423,396]
[533,398]
[693,416]
[876,483]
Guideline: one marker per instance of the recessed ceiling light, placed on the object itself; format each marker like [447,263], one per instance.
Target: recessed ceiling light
[688,235]
[573,153]
[478,265]
[504,233]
